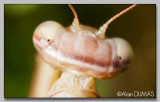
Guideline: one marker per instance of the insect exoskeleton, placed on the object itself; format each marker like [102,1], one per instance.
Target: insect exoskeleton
[74,84]
[82,48]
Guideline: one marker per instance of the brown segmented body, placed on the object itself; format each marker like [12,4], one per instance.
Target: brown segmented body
[83,51]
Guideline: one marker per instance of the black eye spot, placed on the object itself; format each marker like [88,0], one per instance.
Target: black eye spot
[119,57]
[48,40]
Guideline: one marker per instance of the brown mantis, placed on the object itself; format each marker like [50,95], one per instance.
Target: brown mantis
[82,53]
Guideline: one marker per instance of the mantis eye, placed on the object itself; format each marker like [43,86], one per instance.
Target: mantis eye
[47,30]
[125,51]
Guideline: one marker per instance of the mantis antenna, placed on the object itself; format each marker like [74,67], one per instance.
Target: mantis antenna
[101,32]
[75,23]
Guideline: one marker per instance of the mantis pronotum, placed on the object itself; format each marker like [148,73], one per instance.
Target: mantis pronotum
[82,53]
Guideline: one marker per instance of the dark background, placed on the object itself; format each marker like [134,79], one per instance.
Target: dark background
[137,26]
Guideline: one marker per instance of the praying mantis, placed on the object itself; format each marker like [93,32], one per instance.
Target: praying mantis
[82,53]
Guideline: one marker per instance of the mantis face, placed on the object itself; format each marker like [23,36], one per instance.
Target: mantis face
[82,48]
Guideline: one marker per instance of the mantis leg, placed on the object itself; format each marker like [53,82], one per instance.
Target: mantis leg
[44,77]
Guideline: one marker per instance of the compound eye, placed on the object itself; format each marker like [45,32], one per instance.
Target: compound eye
[47,30]
[124,50]
[48,40]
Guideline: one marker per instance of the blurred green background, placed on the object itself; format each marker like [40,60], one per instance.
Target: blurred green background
[138,26]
